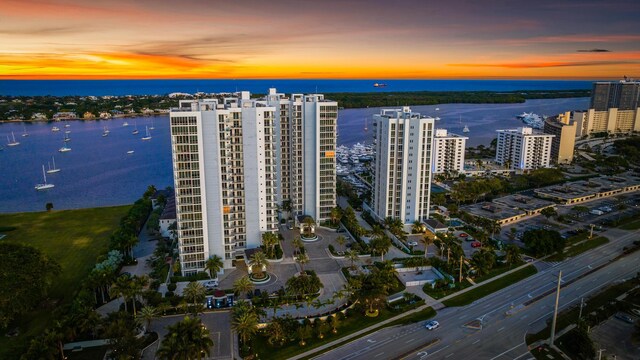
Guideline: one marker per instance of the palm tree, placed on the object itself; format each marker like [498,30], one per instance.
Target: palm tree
[121,287]
[297,243]
[138,283]
[416,227]
[304,332]
[245,324]
[194,293]
[427,241]
[335,215]
[302,259]
[147,314]
[242,286]
[341,240]
[335,322]
[187,339]
[352,256]
[511,254]
[269,241]
[308,223]
[275,333]
[213,265]
[258,263]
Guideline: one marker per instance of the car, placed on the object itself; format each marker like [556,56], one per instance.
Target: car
[412,243]
[463,235]
[211,284]
[290,226]
[636,311]
[432,325]
[476,244]
[624,317]
[341,230]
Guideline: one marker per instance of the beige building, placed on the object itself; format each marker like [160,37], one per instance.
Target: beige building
[614,108]
[563,143]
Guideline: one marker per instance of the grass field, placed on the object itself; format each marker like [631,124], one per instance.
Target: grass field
[580,248]
[632,225]
[488,288]
[74,238]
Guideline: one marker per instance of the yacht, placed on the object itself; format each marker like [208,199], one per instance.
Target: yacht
[125,124]
[379,85]
[44,186]
[64,148]
[130,152]
[14,142]
[55,129]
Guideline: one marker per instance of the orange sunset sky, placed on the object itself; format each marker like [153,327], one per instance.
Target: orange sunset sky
[73,39]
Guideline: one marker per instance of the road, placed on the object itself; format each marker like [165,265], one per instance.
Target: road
[501,336]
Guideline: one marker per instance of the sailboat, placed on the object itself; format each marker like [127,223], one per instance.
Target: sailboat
[55,129]
[44,186]
[54,169]
[465,129]
[135,132]
[105,132]
[66,138]
[67,131]
[125,124]
[66,124]
[152,127]
[148,136]
[64,148]
[25,133]
[14,142]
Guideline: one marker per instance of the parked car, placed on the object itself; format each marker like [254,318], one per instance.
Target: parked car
[463,235]
[476,244]
[341,230]
[432,325]
[624,317]
[412,243]
[211,284]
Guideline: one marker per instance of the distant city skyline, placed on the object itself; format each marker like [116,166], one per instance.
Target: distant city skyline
[458,39]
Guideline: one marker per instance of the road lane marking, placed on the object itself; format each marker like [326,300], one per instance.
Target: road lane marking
[382,353]
[502,328]
[506,351]
[408,341]
[448,355]
[475,342]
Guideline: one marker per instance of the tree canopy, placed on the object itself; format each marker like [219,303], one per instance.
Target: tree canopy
[543,242]
[26,274]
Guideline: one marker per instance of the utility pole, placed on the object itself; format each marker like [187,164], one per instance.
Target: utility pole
[581,306]
[555,312]
[460,269]
[591,231]
[600,353]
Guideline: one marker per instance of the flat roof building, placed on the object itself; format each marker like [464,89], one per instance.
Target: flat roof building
[563,143]
[523,149]
[402,173]
[614,107]
[448,152]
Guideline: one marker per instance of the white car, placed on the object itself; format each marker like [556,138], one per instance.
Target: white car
[432,325]
[412,243]
[211,284]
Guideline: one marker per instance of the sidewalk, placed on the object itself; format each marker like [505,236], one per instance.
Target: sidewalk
[381,324]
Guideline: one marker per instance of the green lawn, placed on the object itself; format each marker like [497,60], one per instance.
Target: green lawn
[488,288]
[632,225]
[580,248]
[74,238]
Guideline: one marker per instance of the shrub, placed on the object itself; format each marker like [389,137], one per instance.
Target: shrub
[172,287]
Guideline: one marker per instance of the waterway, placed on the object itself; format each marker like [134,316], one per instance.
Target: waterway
[99,172]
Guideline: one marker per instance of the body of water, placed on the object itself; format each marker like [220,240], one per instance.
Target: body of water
[99,172]
[160,87]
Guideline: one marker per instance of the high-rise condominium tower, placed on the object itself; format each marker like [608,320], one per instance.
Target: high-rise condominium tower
[615,108]
[448,152]
[523,149]
[402,182]
[235,159]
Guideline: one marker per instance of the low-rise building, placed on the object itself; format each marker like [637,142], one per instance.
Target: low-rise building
[584,190]
[499,213]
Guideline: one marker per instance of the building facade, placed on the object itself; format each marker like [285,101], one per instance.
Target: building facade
[614,108]
[235,159]
[402,178]
[448,152]
[521,149]
[563,127]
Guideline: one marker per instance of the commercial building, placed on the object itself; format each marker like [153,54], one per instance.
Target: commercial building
[564,130]
[523,149]
[595,188]
[614,108]
[402,179]
[236,158]
[448,152]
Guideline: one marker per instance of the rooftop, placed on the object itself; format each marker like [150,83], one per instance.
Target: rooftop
[492,211]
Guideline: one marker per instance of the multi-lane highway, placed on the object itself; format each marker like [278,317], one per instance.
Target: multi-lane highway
[501,336]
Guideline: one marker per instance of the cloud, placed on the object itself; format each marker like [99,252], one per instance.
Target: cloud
[547,64]
[40,31]
[593,50]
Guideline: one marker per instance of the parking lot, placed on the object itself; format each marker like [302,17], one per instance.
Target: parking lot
[614,335]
